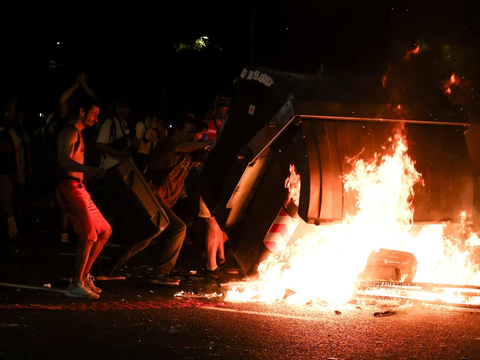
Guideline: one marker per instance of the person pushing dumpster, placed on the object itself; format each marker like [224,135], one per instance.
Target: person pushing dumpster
[91,227]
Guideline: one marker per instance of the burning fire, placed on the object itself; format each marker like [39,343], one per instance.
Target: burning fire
[458,89]
[415,51]
[448,84]
[398,85]
[322,266]
[293,185]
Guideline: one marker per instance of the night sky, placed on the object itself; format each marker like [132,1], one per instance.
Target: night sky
[131,48]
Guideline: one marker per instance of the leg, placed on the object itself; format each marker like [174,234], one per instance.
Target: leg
[63,205]
[88,222]
[64,220]
[6,203]
[172,238]
[20,201]
[211,243]
[79,288]
[132,251]
[97,249]
[6,195]
[222,237]
[82,255]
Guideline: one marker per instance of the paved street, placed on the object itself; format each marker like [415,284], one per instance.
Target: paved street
[137,319]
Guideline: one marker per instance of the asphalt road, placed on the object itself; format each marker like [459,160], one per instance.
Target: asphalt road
[135,319]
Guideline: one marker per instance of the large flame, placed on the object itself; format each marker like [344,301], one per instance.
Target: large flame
[323,265]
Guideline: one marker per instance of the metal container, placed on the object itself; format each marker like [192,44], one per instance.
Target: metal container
[278,119]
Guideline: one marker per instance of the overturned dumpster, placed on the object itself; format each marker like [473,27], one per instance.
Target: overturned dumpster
[278,120]
[128,203]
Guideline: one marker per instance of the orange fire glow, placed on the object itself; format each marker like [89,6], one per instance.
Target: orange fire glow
[392,80]
[412,52]
[458,89]
[293,185]
[322,265]
[448,84]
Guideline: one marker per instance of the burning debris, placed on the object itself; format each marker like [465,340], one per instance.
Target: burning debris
[324,265]
[292,183]
[375,193]
[458,89]
[385,313]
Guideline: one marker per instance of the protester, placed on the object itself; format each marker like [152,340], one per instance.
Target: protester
[202,131]
[116,140]
[7,173]
[92,229]
[215,116]
[148,133]
[65,101]
[214,235]
[171,160]
[47,171]
[23,159]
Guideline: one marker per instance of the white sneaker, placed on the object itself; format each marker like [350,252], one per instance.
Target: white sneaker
[80,290]
[12,227]
[88,280]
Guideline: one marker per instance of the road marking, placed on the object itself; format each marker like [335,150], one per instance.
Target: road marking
[309,318]
[31,287]
[110,306]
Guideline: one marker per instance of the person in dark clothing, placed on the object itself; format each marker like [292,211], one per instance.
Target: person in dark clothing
[17,132]
[116,139]
[7,173]
[171,160]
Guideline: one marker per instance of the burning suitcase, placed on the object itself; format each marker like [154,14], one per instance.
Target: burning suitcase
[390,265]
[127,202]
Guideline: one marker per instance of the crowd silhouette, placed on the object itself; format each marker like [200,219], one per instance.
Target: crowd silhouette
[42,160]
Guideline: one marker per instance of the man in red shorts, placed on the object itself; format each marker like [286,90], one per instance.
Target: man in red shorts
[91,227]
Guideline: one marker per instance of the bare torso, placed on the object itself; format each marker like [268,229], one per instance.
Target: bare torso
[67,139]
[78,156]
